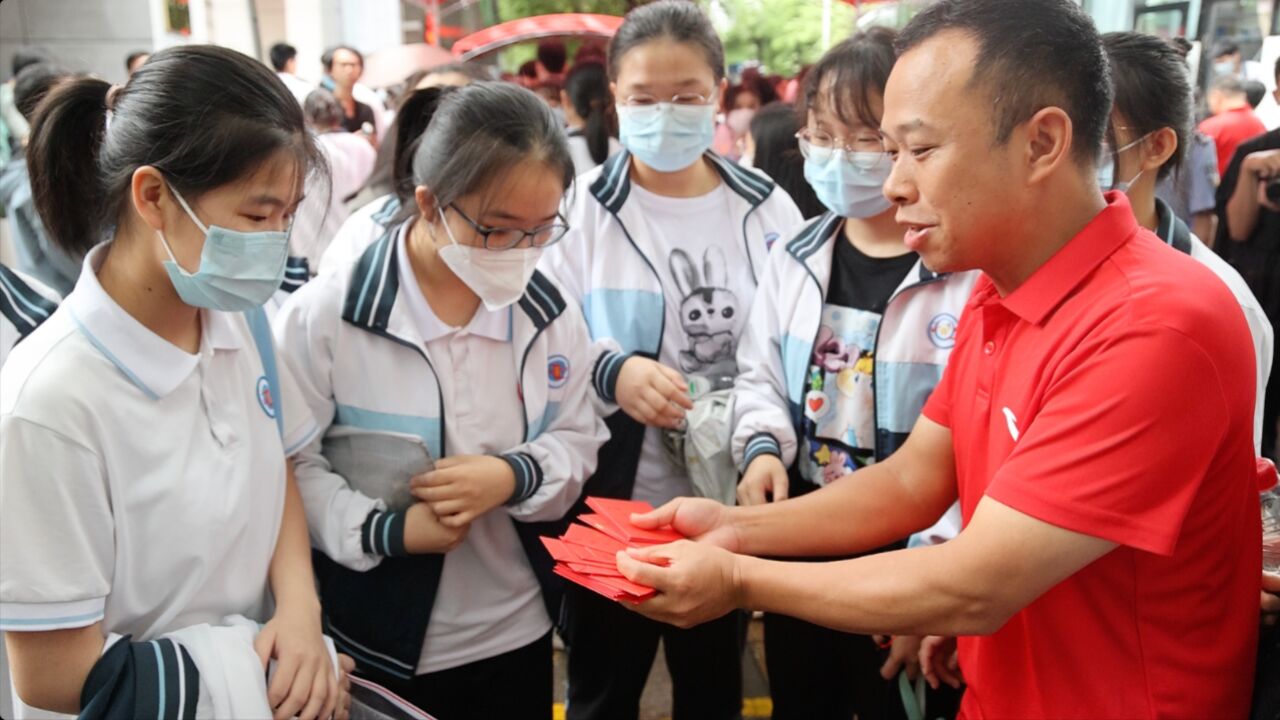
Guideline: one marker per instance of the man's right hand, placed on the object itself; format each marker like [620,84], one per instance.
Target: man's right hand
[698,519]
[939,662]
[764,480]
[1262,165]
[652,393]
[423,532]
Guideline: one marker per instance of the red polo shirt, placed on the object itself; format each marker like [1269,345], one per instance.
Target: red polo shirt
[1229,129]
[1111,394]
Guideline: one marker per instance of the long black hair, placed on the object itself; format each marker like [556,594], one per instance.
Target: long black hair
[1151,89]
[678,20]
[393,167]
[774,130]
[587,86]
[851,74]
[482,130]
[204,116]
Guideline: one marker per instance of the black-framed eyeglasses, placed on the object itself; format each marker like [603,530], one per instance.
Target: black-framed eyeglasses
[499,238]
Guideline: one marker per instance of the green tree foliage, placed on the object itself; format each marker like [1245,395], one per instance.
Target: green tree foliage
[784,35]
[512,9]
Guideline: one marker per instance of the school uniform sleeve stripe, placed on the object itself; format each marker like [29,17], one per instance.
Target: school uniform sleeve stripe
[190,685]
[762,443]
[605,374]
[528,476]
[383,534]
[51,616]
[21,305]
[171,674]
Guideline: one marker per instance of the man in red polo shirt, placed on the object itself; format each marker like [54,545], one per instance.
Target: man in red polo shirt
[1233,120]
[1095,420]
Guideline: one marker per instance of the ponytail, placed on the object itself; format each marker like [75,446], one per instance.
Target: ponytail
[587,86]
[393,168]
[204,116]
[66,139]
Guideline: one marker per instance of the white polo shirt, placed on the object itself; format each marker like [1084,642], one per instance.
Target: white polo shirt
[489,601]
[139,485]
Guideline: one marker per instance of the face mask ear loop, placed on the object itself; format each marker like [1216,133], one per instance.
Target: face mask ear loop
[190,213]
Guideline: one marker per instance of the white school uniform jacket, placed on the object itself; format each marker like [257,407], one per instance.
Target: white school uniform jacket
[608,266]
[24,303]
[914,340]
[363,367]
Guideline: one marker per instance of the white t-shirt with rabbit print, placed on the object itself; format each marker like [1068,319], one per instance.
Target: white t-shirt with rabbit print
[698,251]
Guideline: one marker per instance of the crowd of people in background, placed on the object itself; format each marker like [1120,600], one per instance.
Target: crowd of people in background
[520,288]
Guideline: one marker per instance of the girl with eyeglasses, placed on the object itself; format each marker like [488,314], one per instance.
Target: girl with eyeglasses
[843,346]
[451,382]
[667,244]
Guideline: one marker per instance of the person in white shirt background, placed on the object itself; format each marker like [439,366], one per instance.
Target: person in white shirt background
[145,426]
[284,60]
[666,244]
[440,342]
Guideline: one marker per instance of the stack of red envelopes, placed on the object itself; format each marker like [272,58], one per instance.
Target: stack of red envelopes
[587,553]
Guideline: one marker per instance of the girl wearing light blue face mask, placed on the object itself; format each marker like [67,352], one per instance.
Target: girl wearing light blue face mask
[843,346]
[152,528]
[667,244]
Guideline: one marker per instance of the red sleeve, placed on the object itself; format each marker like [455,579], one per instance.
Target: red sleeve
[1123,440]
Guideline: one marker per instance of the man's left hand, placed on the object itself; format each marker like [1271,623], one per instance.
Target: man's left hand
[696,582]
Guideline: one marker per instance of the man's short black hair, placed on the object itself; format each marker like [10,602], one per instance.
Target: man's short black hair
[23,57]
[552,55]
[1226,47]
[132,58]
[1255,92]
[327,57]
[1032,54]
[281,54]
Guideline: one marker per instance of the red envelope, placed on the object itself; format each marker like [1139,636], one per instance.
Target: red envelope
[618,512]
[589,583]
[594,569]
[592,539]
[560,551]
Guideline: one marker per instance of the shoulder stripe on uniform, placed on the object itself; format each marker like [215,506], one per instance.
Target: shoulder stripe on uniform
[21,304]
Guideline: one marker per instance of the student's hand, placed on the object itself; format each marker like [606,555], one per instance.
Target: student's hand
[765,480]
[425,533]
[304,684]
[346,666]
[1270,599]
[903,654]
[696,582]
[652,393]
[463,488]
[940,662]
[700,519]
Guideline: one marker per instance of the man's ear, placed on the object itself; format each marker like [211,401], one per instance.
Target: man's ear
[1048,142]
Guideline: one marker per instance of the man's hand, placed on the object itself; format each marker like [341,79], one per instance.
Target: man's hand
[1270,599]
[940,662]
[903,654]
[696,582]
[764,480]
[652,393]
[304,684]
[1263,167]
[698,519]
[425,533]
[463,488]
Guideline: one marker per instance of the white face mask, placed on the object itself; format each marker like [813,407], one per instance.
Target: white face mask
[499,277]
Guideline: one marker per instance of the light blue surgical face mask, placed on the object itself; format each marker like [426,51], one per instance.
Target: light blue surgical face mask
[238,270]
[665,136]
[1226,67]
[851,185]
[1107,167]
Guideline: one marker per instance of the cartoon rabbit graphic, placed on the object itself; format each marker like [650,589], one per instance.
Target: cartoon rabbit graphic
[708,313]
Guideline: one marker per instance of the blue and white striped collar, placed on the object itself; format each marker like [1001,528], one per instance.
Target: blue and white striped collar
[150,362]
[614,184]
[820,230]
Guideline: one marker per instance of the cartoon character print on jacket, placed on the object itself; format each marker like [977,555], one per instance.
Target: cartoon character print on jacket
[839,406]
[710,314]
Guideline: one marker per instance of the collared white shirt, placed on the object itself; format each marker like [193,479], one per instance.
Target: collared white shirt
[298,87]
[489,601]
[140,485]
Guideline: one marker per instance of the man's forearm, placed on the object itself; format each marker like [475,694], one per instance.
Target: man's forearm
[907,592]
[1242,208]
[863,511]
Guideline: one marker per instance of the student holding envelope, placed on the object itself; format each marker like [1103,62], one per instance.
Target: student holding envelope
[451,381]
[668,242]
[1095,419]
